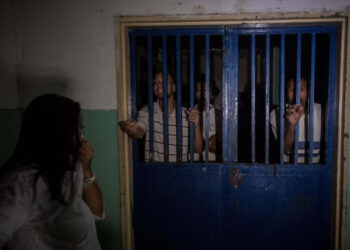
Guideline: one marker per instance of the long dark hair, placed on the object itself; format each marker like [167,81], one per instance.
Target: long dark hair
[49,141]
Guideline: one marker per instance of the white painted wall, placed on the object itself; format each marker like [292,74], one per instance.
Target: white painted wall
[68,47]
[190,7]
[8,85]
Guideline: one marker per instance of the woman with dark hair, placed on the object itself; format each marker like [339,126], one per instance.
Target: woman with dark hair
[48,193]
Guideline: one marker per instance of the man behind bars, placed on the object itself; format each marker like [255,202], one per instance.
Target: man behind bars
[137,129]
[298,114]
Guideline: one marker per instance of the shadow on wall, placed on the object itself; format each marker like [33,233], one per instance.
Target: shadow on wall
[108,233]
[33,83]
[30,84]
[8,88]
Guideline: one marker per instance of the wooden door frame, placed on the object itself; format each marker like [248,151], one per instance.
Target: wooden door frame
[124,24]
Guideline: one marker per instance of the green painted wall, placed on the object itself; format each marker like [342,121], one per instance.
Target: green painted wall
[100,130]
[10,120]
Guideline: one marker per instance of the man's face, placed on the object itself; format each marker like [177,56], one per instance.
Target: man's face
[198,91]
[158,85]
[291,91]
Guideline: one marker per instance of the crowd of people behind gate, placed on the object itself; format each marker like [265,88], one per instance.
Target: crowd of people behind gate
[294,115]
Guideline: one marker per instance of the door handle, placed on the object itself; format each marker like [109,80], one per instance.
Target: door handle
[236,177]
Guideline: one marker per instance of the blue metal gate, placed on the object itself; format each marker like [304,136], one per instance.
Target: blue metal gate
[230,204]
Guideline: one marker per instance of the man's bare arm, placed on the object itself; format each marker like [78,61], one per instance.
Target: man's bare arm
[193,116]
[293,115]
[132,129]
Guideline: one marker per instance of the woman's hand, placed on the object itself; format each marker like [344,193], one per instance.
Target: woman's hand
[86,153]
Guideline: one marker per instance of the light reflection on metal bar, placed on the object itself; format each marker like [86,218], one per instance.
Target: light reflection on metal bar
[207,77]
[191,94]
[150,97]
[179,102]
[312,98]
[165,100]
[331,105]
[282,100]
[226,57]
[267,98]
[297,98]
[234,130]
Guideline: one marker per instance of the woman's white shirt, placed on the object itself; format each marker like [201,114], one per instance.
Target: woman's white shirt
[30,219]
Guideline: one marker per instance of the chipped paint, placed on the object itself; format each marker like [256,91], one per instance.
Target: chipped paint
[236,177]
[198,10]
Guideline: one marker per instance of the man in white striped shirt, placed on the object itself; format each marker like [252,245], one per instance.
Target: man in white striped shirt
[299,114]
[137,129]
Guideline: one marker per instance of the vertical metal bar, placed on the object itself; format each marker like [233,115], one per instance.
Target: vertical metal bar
[191,94]
[267,98]
[165,99]
[178,102]
[234,130]
[282,100]
[150,98]
[229,95]
[253,97]
[133,90]
[227,57]
[297,98]
[331,101]
[312,98]
[207,76]
[330,118]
